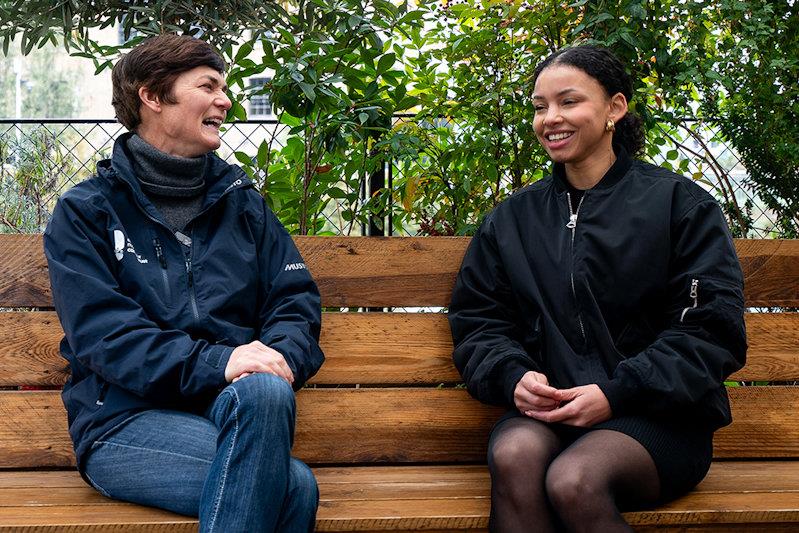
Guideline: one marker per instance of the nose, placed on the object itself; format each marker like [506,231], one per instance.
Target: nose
[223,102]
[552,116]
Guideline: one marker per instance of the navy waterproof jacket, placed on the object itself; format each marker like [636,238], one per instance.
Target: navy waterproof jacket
[637,290]
[150,316]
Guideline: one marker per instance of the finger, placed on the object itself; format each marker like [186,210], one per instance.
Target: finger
[285,366]
[241,376]
[540,378]
[281,370]
[570,394]
[542,390]
[285,369]
[563,415]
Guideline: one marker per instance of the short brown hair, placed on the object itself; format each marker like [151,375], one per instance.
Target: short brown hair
[155,64]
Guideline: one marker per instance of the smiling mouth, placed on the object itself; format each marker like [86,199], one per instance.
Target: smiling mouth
[215,122]
[559,136]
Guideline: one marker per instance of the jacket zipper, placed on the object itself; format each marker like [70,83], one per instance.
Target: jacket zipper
[694,295]
[192,294]
[572,225]
[159,253]
[101,396]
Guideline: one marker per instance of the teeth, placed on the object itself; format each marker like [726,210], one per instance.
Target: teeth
[213,121]
[559,136]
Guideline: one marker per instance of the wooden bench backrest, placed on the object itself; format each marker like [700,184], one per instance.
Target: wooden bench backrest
[379,398]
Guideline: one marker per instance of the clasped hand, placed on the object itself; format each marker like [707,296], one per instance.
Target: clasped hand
[256,357]
[582,406]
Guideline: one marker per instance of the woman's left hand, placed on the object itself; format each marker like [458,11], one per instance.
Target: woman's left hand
[582,406]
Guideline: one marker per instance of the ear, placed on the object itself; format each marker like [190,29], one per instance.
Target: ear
[618,107]
[149,99]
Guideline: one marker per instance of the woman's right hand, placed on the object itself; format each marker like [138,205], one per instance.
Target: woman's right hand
[533,393]
[257,357]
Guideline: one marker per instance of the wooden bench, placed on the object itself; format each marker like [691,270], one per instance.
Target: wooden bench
[393,448]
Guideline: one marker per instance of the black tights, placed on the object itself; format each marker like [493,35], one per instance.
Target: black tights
[538,485]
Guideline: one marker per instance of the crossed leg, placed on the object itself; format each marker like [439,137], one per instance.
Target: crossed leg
[603,470]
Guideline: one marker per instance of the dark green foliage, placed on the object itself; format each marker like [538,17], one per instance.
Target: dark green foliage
[341,68]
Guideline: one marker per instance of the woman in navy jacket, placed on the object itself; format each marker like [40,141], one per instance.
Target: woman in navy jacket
[187,310]
[604,305]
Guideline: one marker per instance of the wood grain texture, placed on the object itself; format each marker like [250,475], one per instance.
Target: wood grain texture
[24,281]
[374,348]
[372,498]
[405,425]
[771,271]
[398,271]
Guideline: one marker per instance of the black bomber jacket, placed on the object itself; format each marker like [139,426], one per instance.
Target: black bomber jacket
[639,291]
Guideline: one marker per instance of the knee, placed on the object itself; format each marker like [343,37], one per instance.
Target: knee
[514,456]
[264,393]
[303,488]
[570,486]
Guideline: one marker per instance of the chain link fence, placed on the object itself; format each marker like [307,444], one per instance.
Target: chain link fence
[41,158]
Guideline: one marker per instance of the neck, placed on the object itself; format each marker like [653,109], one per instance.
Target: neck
[159,140]
[587,173]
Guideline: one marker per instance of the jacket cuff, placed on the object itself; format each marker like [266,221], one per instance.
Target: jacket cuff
[621,395]
[510,374]
[217,358]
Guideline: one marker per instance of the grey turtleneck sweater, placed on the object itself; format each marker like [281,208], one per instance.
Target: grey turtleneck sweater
[174,184]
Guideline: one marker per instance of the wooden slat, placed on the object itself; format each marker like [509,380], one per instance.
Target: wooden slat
[398,271]
[374,348]
[771,271]
[350,271]
[360,348]
[23,272]
[392,425]
[383,271]
[396,426]
[381,498]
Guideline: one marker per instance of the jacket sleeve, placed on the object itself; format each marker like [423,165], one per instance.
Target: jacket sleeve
[290,313]
[107,330]
[705,339]
[488,352]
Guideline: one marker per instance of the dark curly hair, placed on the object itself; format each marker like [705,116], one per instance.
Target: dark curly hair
[602,65]
[156,63]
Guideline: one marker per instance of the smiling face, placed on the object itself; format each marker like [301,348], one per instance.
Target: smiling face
[189,127]
[571,111]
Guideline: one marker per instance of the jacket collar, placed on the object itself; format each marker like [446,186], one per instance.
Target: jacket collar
[220,178]
[614,174]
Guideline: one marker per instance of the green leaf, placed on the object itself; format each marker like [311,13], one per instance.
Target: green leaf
[263,153]
[308,91]
[244,51]
[243,158]
[386,62]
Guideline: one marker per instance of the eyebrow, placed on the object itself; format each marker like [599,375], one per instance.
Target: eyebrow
[213,80]
[559,93]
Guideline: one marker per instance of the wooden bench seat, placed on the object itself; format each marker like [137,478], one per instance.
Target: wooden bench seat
[395,443]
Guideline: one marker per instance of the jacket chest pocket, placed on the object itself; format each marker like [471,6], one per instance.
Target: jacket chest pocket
[158,292]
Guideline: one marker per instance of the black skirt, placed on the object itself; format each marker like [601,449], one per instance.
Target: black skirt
[682,452]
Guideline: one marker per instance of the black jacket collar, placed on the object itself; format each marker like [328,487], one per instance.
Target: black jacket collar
[614,174]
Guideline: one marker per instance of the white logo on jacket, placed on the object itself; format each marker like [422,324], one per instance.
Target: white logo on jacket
[122,244]
[294,266]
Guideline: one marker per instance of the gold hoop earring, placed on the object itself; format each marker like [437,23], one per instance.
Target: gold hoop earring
[610,125]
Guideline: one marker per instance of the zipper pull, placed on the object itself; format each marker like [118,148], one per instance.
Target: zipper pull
[694,294]
[572,223]
[695,291]
[159,253]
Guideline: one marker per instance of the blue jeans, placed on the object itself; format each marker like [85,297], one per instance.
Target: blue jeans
[231,467]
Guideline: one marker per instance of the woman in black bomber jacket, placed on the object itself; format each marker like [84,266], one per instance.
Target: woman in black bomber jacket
[604,304]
